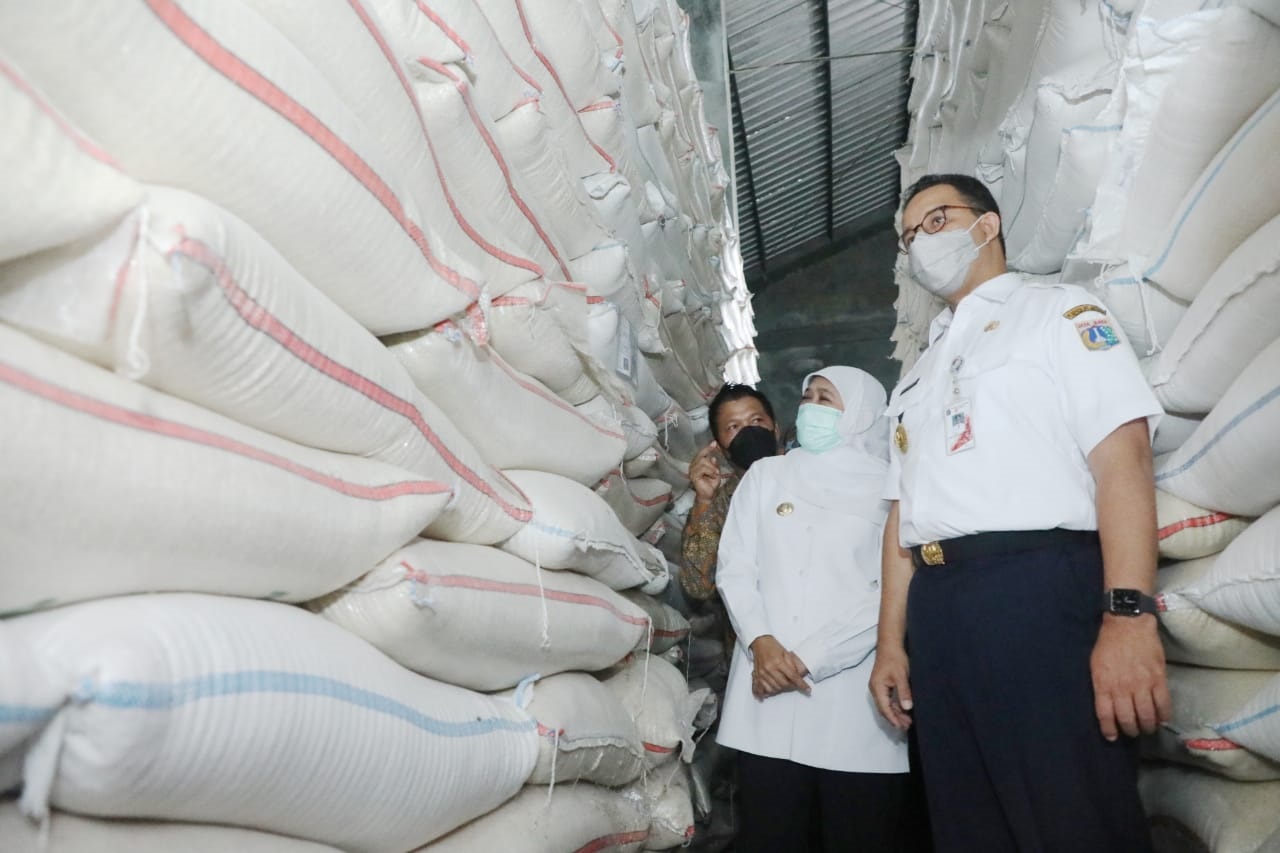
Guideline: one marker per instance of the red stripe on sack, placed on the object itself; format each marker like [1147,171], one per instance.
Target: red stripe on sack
[1189,523]
[661,499]
[251,81]
[509,301]
[604,842]
[653,747]
[1219,744]
[258,317]
[81,141]
[452,34]
[525,589]
[668,633]
[111,413]
[553,399]
[465,91]
[468,229]
[606,104]
[546,63]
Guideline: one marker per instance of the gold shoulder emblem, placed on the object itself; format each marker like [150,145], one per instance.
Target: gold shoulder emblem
[1080,309]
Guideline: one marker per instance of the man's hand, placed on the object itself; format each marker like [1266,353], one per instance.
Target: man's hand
[704,473]
[1130,690]
[891,688]
[776,668]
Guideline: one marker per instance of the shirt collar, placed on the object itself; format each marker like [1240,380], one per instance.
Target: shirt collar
[995,289]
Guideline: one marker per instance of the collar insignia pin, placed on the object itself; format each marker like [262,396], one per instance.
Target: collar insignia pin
[900,438]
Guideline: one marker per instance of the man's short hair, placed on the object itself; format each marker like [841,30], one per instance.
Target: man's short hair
[729,392]
[972,190]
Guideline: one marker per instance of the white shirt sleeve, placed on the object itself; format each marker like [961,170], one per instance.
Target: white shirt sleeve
[839,645]
[1100,385]
[737,572]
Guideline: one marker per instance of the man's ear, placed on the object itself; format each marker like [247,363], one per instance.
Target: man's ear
[990,226]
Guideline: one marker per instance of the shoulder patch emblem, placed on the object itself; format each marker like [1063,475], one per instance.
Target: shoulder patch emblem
[1097,334]
[1080,309]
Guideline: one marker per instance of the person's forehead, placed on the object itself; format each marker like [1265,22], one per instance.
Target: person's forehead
[927,200]
[743,407]
[818,382]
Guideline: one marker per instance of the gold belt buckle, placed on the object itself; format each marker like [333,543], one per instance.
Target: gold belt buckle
[931,553]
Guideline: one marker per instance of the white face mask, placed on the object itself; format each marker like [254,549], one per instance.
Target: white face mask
[939,262]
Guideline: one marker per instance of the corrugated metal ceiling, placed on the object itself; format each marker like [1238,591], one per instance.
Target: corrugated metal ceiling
[818,91]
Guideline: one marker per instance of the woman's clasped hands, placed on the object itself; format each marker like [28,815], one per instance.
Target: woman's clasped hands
[776,669]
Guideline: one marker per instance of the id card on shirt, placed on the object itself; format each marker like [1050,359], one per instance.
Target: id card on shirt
[959,426]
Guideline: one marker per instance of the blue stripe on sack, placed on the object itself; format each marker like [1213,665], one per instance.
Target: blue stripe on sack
[19,714]
[1235,143]
[1230,425]
[554,531]
[1252,718]
[151,696]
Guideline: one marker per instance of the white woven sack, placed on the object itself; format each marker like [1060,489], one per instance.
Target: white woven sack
[1244,584]
[637,86]
[677,434]
[638,502]
[514,420]
[186,298]
[684,382]
[70,833]
[513,25]
[658,697]
[1208,98]
[1185,531]
[1231,462]
[639,430]
[58,184]
[1230,321]
[1147,314]
[267,138]
[1172,431]
[211,709]
[480,618]
[562,31]
[1255,725]
[112,488]
[458,32]
[1202,699]
[524,331]
[573,528]
[32,695]
[577,818]
[1070,97]
[1199,238]
[609,126]
[666,796]
[1219,814]
[642,465]
[584,731]
[532,148]
[612,341]
[364,64]
[465,145]
[669,625]
[1194,636]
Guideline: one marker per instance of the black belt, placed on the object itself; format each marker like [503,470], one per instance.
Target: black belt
[978,545]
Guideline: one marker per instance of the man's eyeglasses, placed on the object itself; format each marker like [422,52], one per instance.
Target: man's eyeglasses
[933,222]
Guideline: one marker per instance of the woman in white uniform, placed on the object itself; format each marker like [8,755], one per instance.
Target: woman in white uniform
[799,574]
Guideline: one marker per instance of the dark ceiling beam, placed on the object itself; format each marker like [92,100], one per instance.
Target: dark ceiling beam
[748,192]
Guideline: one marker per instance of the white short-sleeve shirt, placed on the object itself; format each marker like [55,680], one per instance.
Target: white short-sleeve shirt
[1042,373]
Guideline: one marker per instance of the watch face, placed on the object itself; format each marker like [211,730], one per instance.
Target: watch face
[1126,601]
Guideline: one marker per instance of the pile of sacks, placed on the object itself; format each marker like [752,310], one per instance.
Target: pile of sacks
[354,352]
[1131,147]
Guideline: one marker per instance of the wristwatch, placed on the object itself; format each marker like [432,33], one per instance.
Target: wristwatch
[1128,602]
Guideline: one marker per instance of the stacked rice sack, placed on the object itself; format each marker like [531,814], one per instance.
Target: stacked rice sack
[403,311]
[1130,147]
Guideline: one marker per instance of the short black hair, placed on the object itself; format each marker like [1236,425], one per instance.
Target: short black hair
[729,392]
[972,190]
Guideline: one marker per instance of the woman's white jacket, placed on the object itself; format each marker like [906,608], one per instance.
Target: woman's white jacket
[810,576]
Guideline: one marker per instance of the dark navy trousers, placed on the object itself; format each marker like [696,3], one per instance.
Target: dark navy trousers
[1012,754]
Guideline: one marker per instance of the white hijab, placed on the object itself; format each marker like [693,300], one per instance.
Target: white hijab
[849,477]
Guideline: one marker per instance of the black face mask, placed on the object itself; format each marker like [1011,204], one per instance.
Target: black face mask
[752,443]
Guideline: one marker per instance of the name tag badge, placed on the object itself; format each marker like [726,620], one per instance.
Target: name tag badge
[959,422]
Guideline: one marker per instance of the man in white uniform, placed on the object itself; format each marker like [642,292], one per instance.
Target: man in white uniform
[1020,550]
